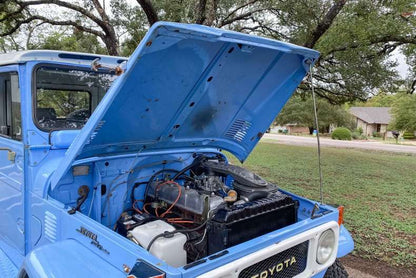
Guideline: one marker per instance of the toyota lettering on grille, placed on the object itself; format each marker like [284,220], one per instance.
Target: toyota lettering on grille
[275,268]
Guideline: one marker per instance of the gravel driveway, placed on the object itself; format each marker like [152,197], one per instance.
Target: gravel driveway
[326,142]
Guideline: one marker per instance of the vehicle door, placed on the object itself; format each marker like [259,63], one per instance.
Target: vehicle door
[11,161]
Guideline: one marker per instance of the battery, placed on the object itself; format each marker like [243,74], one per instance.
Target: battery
[128,222]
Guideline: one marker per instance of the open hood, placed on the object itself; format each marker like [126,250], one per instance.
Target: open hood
[191,86]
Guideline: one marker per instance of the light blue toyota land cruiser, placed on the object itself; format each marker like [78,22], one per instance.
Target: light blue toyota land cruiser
[114,167]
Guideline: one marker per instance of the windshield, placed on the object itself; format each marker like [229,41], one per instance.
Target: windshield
[65,97]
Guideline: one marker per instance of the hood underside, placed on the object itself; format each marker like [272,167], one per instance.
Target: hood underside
[191,86]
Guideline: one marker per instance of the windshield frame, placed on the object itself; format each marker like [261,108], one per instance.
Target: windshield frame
[59,66]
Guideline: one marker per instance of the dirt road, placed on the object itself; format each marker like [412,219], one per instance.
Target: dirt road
[326,142]
[355,273]
[363,268]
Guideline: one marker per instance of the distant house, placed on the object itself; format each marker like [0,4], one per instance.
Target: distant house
[291,129]
[372,119]
[295,128]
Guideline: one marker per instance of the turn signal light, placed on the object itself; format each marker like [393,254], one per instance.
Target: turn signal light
[340,215]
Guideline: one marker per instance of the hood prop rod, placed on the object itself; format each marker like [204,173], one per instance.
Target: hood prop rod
[315,110]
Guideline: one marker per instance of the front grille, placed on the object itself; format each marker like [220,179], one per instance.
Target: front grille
[288,263]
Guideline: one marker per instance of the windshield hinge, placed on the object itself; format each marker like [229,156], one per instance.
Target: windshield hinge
[95,66]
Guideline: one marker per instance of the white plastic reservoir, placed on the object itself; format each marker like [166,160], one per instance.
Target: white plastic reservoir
[169,250]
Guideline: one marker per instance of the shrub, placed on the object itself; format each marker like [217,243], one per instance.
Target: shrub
[409,135]
[341,133]
[358,134]
[376,134]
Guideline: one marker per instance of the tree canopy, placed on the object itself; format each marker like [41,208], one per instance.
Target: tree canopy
[356,38]
[404,113]
[300,111]
[381,99]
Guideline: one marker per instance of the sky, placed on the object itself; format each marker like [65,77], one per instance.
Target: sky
[402,66]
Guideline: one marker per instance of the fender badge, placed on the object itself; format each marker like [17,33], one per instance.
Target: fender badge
[94,238]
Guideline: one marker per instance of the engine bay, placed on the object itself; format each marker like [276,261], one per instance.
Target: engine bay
[181,207]
[203,209]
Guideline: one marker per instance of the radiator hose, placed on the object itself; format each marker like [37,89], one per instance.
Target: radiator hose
[255,195]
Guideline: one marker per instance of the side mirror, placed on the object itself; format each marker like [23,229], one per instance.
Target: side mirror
[11,155]
[62,139]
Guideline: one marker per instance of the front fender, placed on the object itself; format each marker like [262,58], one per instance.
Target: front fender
[65,259]
[345,242]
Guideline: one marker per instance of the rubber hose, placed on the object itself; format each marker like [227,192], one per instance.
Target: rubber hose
[255,195]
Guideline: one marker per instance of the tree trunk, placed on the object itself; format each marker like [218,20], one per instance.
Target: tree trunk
[110,37]
[111,41]
[111,45]
[149,10]
[211,13]
[200,11]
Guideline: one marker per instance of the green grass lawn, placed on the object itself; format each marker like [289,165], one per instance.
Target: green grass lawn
[377,189]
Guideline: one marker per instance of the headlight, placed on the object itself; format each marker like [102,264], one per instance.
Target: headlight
[326,246]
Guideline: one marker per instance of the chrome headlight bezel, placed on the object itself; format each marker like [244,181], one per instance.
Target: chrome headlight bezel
[326,246]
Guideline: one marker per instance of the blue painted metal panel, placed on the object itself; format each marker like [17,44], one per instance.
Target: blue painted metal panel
[13,254]
[67,258]
[192,86]
[11,195]
[345,242]
[7,268]
[21,57]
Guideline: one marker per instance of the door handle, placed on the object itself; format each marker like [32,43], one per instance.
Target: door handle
[11,155]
